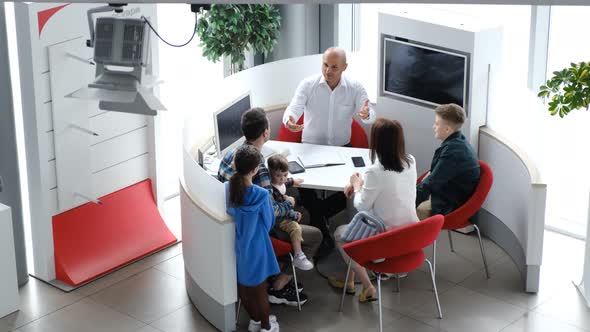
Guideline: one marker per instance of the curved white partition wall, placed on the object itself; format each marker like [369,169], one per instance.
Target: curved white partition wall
[208,237]
[513,215]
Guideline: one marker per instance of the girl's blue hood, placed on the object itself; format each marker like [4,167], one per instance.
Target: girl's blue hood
[254,198]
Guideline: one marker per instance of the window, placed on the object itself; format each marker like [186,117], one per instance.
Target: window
[185,72]
[565,167]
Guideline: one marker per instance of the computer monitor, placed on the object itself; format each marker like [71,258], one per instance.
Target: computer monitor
[228,130]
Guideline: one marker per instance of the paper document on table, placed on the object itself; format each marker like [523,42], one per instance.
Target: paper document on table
[320,159]
[267,152]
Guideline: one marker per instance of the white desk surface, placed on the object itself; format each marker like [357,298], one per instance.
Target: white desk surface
[326,178]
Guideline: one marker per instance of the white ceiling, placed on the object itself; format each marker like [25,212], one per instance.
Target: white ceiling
[499,2]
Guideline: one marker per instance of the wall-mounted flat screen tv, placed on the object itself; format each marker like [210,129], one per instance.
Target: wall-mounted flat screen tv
[424,73]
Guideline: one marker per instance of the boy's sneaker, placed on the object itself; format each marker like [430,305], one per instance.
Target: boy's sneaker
[274,327]
[254,326]
[286,296]
[301,262]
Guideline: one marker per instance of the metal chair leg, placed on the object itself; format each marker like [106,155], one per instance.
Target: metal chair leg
[379,299]
[451,240]
[483,254]
[345,284]
[434,289]
[295,280]
[238,311]
[434,257]
[398,284]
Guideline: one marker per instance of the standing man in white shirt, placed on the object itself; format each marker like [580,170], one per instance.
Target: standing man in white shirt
[329,101]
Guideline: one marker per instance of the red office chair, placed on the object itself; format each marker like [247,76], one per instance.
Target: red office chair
[281,248]
[358,137]
[459,218]
[285,135]
[402,250]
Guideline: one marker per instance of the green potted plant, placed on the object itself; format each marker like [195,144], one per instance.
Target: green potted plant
[230,30]
[568,89]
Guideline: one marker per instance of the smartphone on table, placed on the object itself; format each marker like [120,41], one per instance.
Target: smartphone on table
[358,162]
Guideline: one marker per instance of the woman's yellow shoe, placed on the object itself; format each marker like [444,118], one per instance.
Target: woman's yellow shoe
[339,284]
[368,295]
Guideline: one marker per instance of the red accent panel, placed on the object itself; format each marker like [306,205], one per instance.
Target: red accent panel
[44,16]
[92,239]
[358,138]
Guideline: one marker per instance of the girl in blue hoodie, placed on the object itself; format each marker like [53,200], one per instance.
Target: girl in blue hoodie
[251,208]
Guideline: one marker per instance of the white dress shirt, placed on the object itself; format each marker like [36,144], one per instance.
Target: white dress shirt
[328,113]
[389,195]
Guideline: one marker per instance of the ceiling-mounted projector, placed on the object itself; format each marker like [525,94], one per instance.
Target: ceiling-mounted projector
[120,41]
[121,53]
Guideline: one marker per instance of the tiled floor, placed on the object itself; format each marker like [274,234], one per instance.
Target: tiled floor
[150,296]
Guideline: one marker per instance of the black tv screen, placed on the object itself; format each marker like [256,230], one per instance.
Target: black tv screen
[423,73]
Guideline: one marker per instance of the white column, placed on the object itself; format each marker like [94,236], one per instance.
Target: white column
[539,43]
[9,163]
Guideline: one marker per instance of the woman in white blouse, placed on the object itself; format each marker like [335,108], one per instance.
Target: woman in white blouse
[387,190]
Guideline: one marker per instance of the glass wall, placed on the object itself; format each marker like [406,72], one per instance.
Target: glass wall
[565,167]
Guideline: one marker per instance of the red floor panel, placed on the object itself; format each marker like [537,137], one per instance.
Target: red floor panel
[92,239]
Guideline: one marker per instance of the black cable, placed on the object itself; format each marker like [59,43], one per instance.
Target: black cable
[162,39]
